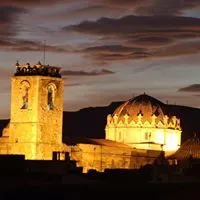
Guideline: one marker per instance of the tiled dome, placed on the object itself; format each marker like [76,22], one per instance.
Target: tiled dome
[144,119]
[144,105]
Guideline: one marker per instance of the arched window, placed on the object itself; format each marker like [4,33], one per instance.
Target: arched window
[50,96]
[25,86]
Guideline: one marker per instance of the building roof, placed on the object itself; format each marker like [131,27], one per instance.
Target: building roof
[190,147]
[103,142]
[109,143]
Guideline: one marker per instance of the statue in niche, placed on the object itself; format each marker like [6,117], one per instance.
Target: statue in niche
[174,120]
[109,119]
[115,117]
[153,117]
[178,122]
[126,117]
[25,97]
[166,119]
[50,98]
[139,116]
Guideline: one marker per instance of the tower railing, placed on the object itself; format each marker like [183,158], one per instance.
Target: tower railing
[37,70]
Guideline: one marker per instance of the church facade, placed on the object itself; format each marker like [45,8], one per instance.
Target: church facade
[136,132]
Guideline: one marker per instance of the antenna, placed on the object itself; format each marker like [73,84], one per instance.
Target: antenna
[17,63]
[44,54]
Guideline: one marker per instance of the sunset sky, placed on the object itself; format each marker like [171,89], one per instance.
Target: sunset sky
[109,50]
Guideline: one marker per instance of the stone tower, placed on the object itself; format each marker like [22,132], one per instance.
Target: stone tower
[36,111]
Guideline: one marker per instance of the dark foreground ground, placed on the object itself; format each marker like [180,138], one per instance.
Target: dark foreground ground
[104,191]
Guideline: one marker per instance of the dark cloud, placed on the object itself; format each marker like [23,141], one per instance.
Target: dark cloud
[114,53]
[142,30]
[147,7]
[127,3]
[83,73]
[141,36]
[9,20]
[183,48]
[112,49]
[151,40]
[118,52]
[137,24]
[110,3]
[167,7]
[156,7]
[30,3]
[88,12]
[157,37]
[144,7]
[190,88]
[8,13]
[26,45]
[118,8]
[120,57]
[128,53]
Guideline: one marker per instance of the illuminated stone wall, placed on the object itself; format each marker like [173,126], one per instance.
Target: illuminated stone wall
[5,146]
[154,135]
[100,157]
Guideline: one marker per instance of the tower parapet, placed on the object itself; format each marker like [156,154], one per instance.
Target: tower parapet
[37,70]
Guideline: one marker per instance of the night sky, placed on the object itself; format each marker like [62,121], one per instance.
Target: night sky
[109,50]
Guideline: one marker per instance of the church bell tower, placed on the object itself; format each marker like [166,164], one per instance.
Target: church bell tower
[36,111]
